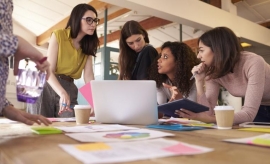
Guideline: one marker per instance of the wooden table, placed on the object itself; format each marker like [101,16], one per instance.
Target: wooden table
[44,149]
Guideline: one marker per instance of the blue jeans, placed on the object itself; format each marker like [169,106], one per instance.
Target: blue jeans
[263,114]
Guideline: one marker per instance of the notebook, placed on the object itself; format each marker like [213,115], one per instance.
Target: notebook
[125,101]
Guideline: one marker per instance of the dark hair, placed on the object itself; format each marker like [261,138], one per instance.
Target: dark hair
[226,49]
[127,57]
[89,43]
[185,60]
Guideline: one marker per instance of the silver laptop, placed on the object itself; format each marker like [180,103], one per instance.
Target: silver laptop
[125,101]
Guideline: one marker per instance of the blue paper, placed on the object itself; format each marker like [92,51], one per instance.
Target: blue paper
[175,127]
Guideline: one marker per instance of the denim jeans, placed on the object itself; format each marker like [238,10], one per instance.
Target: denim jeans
[263,114]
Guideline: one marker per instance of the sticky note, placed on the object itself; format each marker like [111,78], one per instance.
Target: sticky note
[182,149]
[261,141]
[93,147]
[46,130]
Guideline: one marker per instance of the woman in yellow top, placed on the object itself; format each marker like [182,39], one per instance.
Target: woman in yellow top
[70,53]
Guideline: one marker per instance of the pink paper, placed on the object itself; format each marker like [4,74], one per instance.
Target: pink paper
[86,91]
[183,149]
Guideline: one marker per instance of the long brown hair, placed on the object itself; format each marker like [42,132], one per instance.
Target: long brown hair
[226,48]
[127,57]
[89,43]
[185,60]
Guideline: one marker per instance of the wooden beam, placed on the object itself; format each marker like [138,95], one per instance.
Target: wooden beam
[158,49]
[266,24]
[110,37]
[44,37]
[235,1]
[192,43]
[216,3]
[99,6]
[147,24]
[154,22]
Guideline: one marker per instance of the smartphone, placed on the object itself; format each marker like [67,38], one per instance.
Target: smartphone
[256,124]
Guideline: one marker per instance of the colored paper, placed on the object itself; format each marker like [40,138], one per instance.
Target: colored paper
[93,147]
[265,130]
[118,152]
[261,140]
[46,130]
[180,121]
[182,148]
[204,125]
[86,92]
[175,127]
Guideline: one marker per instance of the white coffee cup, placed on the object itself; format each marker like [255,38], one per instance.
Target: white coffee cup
[224,116]
[82,113]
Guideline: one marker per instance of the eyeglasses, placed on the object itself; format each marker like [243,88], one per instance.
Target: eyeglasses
[90,20]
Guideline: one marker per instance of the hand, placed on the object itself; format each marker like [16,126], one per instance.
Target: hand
[174,91]
[44,66]
[200,71]
[29,119]
[26,50]
[64,103]
[206,117]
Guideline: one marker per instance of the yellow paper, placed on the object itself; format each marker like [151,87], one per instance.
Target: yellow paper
[93,147]
[261,141]
[265,130]
[203,125]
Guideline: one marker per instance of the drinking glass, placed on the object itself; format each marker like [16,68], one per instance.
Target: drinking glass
[29,85]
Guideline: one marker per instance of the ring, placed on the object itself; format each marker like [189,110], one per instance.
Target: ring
[64,104]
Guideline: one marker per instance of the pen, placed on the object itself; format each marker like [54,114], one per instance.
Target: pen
[192,77]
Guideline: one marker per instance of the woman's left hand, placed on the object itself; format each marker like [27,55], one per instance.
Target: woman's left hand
[206,117]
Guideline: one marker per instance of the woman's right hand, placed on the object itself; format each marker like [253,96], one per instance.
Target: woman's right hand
[64,103]
[25,50]
[200,71]
[176,94]
[44,66]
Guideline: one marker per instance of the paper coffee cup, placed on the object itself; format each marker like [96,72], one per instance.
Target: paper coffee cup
[224,116]
[82,113]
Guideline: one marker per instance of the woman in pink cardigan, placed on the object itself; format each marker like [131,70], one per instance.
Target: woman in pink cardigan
[242,73]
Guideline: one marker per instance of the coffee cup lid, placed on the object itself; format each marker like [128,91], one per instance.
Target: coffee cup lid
[82,107]
[223,108]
